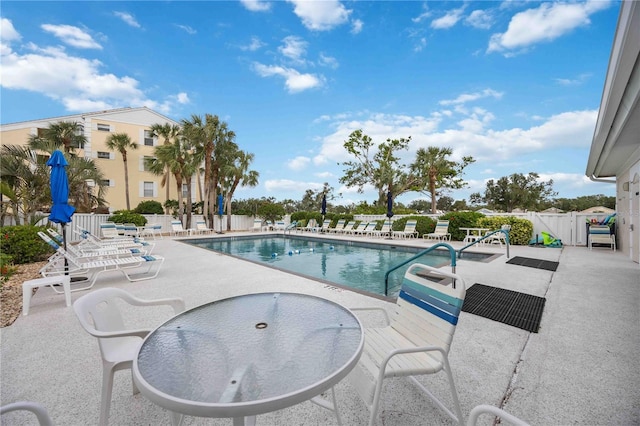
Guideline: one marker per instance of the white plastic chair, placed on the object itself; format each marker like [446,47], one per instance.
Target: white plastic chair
[36,408]
[416,340]
[490,409]
[100,316]
[498,237]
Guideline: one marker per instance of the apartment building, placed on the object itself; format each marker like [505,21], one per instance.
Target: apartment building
[136,122]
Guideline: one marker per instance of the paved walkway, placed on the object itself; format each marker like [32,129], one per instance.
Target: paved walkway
[581,368]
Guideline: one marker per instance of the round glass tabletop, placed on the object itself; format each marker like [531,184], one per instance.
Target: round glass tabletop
[248,354]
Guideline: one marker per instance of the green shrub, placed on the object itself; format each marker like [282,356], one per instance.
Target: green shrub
[521,229]
[459,220]
[128,216]
[149,207]
[23,244]
[6,267]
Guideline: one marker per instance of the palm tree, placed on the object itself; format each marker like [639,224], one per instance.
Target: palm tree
[237,173]
[208,136]
[169,132]
[178,157]
[121,142]
[66,134]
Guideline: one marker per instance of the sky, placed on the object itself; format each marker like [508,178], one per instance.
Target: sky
[514,84]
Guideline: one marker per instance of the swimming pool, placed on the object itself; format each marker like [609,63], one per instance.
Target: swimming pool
[352,264]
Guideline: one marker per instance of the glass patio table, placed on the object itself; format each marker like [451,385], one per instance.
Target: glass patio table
[248,355]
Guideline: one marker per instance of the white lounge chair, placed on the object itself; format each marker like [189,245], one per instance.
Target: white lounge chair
[357,229]
[384,231]
[409,230]
[201,227]
[323,227]
[92,241]
[416,340]
[99,314]
[90,269]
[347,228]
[177,229]
[338,228]
[440,233]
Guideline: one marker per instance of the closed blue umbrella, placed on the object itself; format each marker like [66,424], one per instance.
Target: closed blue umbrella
[390,210]
[220,209]
[324,204]
[61,211]
[389,205]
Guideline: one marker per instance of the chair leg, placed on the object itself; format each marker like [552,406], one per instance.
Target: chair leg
[107,387]
[133,384]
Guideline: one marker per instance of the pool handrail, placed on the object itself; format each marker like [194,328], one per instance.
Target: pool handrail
[504,231]
[452,252]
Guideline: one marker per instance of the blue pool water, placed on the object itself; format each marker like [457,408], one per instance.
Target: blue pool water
[357,265]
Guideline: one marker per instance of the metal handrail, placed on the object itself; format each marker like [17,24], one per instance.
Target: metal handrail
[452,252]
[504,231]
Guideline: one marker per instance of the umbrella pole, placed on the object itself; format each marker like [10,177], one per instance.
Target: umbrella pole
[64,245]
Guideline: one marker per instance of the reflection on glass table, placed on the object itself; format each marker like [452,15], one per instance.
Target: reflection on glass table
[248,355]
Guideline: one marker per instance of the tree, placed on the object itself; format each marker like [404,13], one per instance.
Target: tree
[178,157]
[211,139]
[121,142]
[237,173]
[518,191]
[381,169]
[437,173]
[63,134]
[271,211]
[169,132]
[445,203]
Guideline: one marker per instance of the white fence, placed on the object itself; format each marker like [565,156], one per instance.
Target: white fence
[569,227]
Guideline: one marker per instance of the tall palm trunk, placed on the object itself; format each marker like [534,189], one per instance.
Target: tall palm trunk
[126,180]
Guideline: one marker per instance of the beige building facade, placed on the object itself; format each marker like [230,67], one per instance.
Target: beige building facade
[98,126]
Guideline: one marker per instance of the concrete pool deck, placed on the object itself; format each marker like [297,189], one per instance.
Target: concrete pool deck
[581,368]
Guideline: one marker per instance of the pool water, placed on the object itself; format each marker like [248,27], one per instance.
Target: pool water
[357,265]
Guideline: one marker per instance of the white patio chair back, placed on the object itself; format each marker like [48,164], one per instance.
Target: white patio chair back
[417,339]
[440,233]
[99,314]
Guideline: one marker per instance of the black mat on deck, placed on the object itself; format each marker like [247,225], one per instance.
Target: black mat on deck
[506,306]
[534,263]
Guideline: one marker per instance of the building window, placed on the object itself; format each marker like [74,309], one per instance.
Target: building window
[105,155]
[105,182]
[103,127]
[145,162]
[148,138]
[148,189]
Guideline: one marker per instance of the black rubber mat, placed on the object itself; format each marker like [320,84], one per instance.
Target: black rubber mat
[547,265]
[506,306]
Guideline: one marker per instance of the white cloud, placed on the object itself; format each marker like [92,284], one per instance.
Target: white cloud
[294,48]
[81,87]
[298,163]
[422,43]
[320,15]
[73,36]
[294,80]
[280,185]
[356,26]
[480,19]
[328,61]
[448,20]
[256,5]
[255,44]
[544,23]
[423,16]
[573,81]
[187,29]
[469,97]
[7,32]
[128,18]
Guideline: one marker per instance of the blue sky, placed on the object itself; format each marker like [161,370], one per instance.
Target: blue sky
[514,84]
